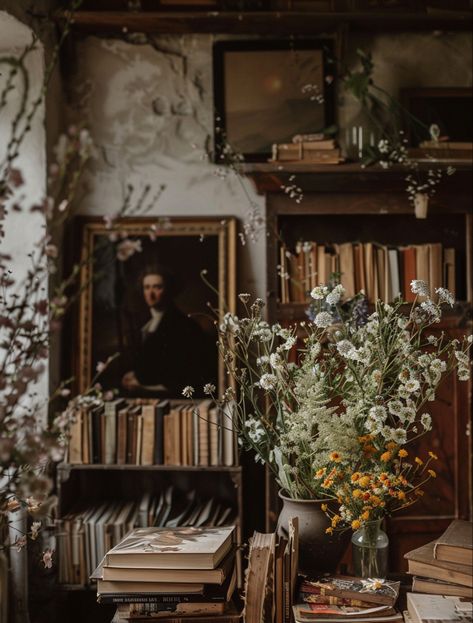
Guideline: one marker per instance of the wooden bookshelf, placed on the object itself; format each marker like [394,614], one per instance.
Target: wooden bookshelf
[345,203]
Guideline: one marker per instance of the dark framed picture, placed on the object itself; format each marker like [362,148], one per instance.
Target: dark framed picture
[268,91]
[449,108]
[150,298]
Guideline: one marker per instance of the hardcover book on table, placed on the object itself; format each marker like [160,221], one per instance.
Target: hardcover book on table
[371,591]
[177,548]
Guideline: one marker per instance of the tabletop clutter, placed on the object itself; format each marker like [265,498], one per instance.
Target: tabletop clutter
[189,575]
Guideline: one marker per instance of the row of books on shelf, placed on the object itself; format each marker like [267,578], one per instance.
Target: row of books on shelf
[382,272]
[156,433]
[171,573]
[84,535]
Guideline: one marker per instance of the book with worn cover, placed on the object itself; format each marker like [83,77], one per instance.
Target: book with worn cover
[316,612]
[437,587]
[456,543]
[178,548]
[433,608]
[372,591]
[231,615]
[421,562]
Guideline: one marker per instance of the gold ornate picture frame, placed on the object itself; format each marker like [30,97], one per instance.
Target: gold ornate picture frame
[162,345]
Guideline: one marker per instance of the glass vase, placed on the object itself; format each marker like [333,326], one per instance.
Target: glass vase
[370,546]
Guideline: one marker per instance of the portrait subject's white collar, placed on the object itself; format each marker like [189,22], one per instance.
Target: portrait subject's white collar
[153,322]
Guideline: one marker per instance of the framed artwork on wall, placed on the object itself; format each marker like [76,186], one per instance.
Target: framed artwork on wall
[153,312]
[268,91]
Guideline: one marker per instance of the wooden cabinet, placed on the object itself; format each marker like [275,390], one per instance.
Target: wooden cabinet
[347,203]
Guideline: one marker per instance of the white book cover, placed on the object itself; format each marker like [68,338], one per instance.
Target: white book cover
[423,607]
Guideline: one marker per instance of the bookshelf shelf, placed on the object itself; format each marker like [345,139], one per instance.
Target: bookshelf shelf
[159,468]
[275,22]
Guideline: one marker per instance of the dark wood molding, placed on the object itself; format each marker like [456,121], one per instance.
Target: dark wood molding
[274,23]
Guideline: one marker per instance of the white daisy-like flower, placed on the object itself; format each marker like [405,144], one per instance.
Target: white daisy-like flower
[463,374]
[432,340]
[276,361]
[263,360]
[461,357]
[399,436]
[230,323]
[426,421]
[412,385]
[209,388]
[319,292]
[289,343]
[188,391]
[431,309]
[437,365]
[267,382]
[323,320]
[407,414]
[445,296]
[345,348]
[420,287]
[378,412]
[395,406]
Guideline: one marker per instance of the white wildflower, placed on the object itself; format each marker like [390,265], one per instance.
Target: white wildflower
[407,414]
[426,421]
[463,374]
[412,385]
[188,391]
[394,407]
[244,297]
[263,360]
[323,320]
[319,292]
[378,412]
[335,295]
[432,340]
[276,361]
[35,527]
[345,348]
[289,343]
[399,436]
[209,388]
[469,339]
[230,323]
[445,296]
[432,310]
[267,382]
[461,357]
[420,287]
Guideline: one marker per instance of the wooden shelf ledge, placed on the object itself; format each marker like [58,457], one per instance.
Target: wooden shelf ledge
[262,22]
[157,468]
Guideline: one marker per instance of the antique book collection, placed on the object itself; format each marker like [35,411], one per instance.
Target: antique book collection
[381,271]
[85,535]
[171,573]
[157,433]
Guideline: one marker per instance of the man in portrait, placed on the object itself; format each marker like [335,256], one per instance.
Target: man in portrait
[170,350]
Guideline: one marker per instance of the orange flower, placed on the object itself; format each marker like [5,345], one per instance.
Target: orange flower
[329,531]
[320,472]
[419,461]
[365,515]
[355,524]
[364,481]
[401,495]
[385,457]
[433,455]
[335,456]
[402,453]
[324,508]
[432,473]
[391,445]
[336,520]
[357,493]
[355,476]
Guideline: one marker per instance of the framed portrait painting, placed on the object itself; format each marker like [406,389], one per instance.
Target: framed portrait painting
[268,91]
[151,295]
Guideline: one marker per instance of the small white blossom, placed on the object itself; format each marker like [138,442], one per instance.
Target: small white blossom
[188,391]
[289,343]
[399,436]
[412,385]
[267,382]
[426,421]
[420,287]
[378,412]
[323,320]
[445,296]
[276,361]
[209,388]
[319,292]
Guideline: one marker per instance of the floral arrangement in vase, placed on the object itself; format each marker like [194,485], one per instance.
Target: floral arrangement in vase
[336,421]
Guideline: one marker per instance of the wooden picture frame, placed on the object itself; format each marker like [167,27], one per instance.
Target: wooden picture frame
[113,305]
[267,91]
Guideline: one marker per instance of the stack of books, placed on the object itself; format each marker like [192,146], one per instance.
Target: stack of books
[437,609]
[443,151]
[308,149]
[183,572]
[155,433]
[84,535]
[445,566]
[382,272]
[343,598]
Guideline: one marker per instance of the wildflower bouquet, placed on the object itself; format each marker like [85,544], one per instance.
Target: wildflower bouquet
[336,423]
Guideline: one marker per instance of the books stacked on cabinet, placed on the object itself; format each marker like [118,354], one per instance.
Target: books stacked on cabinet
[343,598]
[308,149]
[381,271]
[445,566]
[171,573]
[85,535]
[155,433]
[442,151]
